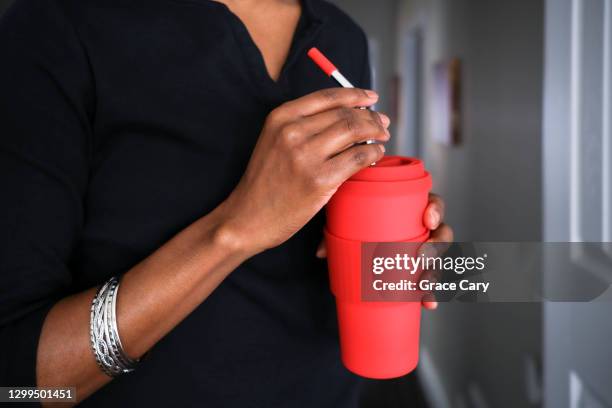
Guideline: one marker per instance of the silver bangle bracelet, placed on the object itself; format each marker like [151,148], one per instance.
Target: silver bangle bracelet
[104,334]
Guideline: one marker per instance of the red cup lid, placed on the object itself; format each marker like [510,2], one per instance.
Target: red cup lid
[392,168]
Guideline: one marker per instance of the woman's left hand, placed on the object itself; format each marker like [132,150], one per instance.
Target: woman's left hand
[433,219]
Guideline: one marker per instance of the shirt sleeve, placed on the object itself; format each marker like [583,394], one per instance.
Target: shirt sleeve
[45,92]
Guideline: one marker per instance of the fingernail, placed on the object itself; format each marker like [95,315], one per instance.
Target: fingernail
[434,219]
[429,250]
[384,119]
[371,94]
[382,147]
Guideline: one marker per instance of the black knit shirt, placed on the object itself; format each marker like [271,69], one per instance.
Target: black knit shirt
[122,122]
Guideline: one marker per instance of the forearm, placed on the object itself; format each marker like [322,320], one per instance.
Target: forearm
[299,161]
[154,296]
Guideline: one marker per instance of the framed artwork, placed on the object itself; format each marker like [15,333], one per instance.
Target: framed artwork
[446,102]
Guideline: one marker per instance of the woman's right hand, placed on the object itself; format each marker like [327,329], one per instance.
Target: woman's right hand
[308,147]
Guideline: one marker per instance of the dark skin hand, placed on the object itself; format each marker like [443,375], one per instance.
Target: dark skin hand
[310,148]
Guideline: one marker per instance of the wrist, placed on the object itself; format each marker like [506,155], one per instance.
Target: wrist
[226,235]
[228,238]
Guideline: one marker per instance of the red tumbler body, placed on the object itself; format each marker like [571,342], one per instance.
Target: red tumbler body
[382,203]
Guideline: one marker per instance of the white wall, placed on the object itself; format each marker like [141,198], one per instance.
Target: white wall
[492,182]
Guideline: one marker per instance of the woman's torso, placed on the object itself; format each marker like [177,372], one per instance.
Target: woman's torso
[178,94]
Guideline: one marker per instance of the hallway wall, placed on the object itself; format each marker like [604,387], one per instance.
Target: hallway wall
[496,171]
[491,184]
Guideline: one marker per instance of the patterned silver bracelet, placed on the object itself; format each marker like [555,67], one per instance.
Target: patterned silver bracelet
[104,334]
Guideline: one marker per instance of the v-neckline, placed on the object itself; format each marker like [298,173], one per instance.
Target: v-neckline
[306,29]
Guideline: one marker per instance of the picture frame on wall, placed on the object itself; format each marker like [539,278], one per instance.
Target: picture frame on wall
[446,102]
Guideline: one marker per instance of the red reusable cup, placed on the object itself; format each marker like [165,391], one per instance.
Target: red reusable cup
[382,203]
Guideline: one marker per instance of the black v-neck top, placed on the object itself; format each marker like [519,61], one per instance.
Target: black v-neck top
[122,122]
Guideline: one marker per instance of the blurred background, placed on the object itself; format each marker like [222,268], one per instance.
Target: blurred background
[509,104]
[525,156]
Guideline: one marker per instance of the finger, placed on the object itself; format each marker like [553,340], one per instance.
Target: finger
[434,213]
[343,134]
[429,304]
[327,99]
[344,165]
[429,299]
[438,243]
[322,250]
[442,234]
[314,124]
[431,275]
